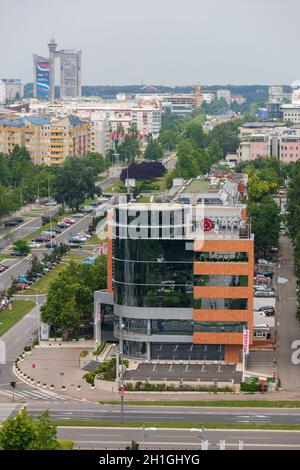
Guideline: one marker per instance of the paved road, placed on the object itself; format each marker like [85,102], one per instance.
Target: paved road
[119,438]
[288,325]
[21,265]
[89,412]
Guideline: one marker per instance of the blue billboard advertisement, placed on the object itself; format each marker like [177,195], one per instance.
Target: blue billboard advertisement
[43,79]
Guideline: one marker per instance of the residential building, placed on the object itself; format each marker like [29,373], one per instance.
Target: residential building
[260,139]
[10,90]
[276,94]
[70,73]
[49,140]
[224,94]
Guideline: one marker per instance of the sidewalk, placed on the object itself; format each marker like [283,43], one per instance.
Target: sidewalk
[59,368]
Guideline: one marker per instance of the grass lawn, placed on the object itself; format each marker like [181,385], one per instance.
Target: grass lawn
[5,256]
[9,317]
[42,285]
[216,403]
[180,425]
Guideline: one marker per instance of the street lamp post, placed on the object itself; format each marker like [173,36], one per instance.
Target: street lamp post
[121,355]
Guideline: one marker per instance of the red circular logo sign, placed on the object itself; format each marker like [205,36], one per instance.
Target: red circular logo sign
[207,224]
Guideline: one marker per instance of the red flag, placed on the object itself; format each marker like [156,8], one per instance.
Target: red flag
[120,135]
[115,135]
[101,248]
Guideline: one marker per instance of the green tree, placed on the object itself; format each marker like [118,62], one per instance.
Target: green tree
[265,224]
[187,165]
[21,246]
[168,140]
[75,181]
[153,151]
[70,296]
[22,432]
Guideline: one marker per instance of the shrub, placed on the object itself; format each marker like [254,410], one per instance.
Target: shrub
[100,348]
[249,387]
[27,348]
[65,444]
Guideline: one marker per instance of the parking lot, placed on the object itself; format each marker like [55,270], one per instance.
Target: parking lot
[185,372]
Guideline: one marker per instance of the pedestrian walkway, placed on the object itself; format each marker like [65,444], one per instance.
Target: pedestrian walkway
[31,393]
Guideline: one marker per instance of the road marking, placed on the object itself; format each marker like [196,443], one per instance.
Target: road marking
[15,265]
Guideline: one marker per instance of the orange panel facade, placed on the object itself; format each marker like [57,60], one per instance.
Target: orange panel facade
[232,341]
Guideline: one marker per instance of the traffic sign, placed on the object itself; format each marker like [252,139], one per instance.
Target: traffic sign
[33,366]
[122,391]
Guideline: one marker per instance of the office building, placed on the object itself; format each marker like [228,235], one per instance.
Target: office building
[181,286]
[49,140]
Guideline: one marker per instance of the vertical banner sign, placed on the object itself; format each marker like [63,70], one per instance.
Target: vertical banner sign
[246,342]
[42,79]
[241,445]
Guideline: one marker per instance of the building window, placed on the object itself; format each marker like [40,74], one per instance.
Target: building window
[219,327]
[172,327]
[213,257]
[218,280]
[220,304]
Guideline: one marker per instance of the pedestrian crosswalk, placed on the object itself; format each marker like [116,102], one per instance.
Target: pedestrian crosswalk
[35,394]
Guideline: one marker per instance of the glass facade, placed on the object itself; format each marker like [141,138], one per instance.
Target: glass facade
[144,272]
[220,304]
[152,250]
[219,327]
[187,351]
[172,327]
[219,280]
[153,273]
[167,295]
[216,257]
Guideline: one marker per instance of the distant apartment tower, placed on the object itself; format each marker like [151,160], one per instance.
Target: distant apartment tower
[276,94]
[70,73]
[10,90]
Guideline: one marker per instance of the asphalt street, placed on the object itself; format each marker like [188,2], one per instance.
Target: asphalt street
[20,265]
[184,439]
[288,326]
[91,412]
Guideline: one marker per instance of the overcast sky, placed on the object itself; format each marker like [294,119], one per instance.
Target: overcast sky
[157,41]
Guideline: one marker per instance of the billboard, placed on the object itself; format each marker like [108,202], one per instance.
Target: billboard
[42,78]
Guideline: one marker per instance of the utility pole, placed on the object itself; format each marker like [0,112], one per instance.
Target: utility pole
[50,211]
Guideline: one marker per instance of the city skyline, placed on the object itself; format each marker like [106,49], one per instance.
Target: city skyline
[120,45]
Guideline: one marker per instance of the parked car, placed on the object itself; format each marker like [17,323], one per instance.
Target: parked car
[19,220]
[42,239]
[89,260]
[57,230]
[268,311]
[11,223]
[49,233]
[17,253]
[51,203]
[77,216]
[52,245]
[264,262]
[78,240]
[34,245]
[69,221]
[264,293]
[265,273]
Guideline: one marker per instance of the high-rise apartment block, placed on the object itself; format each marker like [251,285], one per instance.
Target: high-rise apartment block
[10,90]
[70,73]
